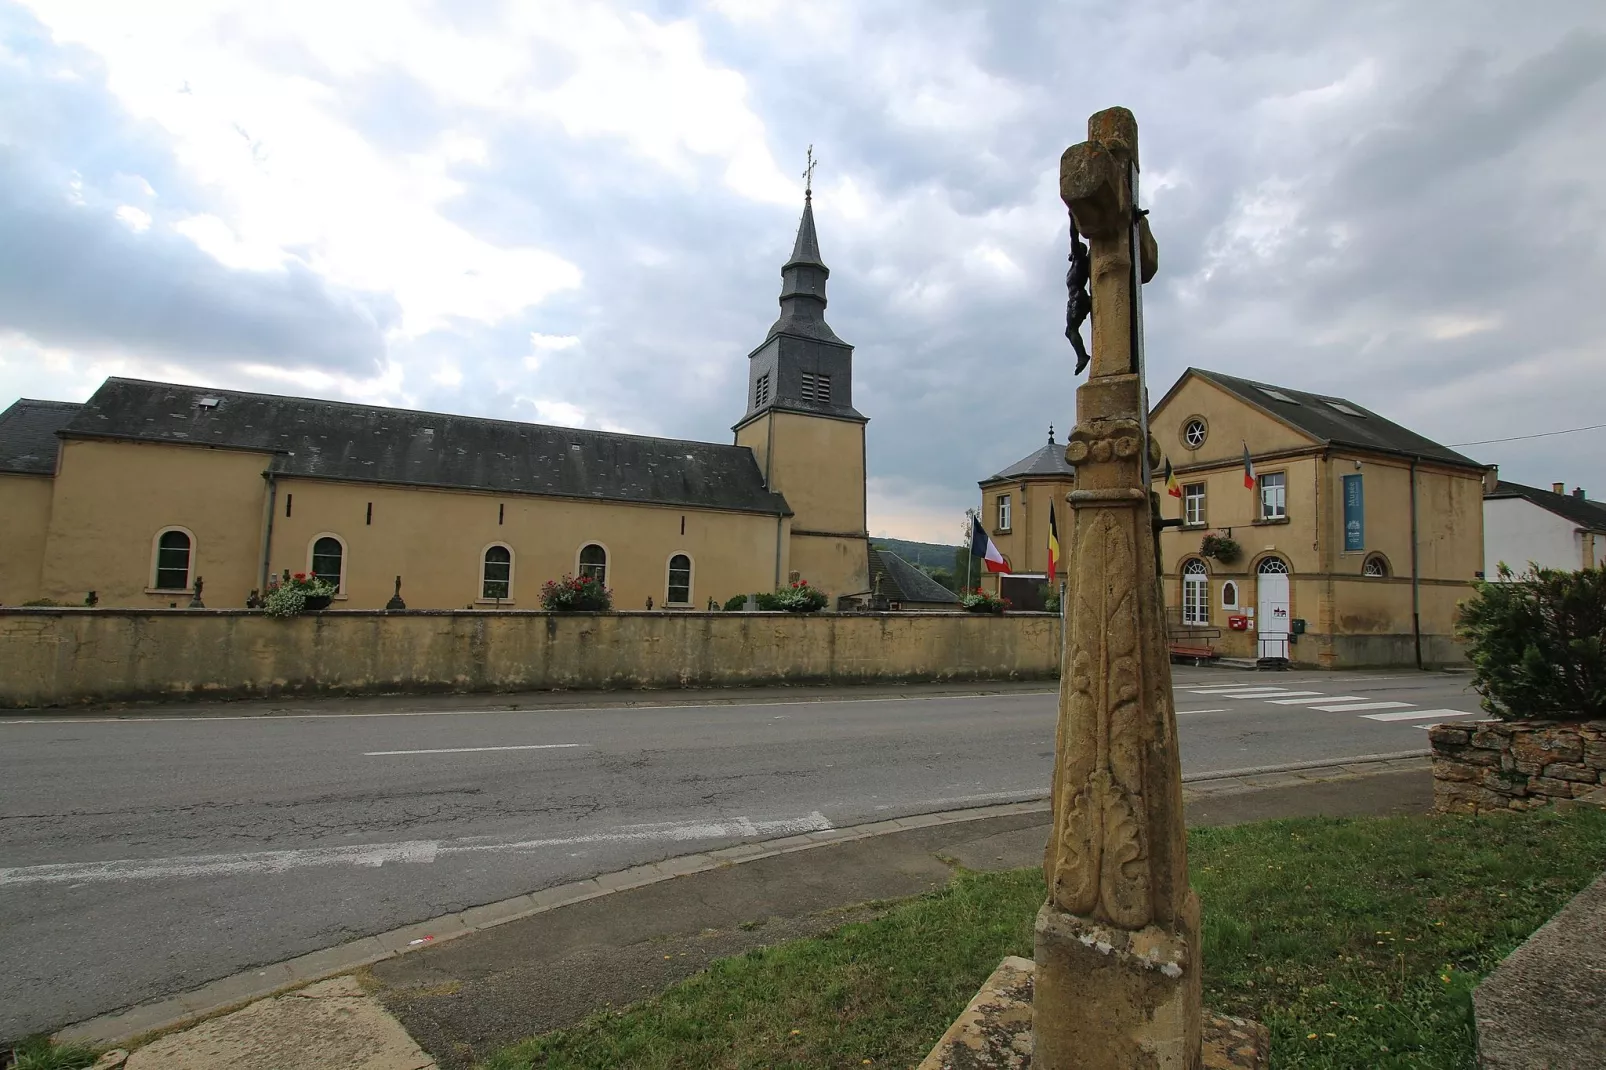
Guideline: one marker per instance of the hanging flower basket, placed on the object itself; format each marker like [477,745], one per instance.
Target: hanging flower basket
[1221,548]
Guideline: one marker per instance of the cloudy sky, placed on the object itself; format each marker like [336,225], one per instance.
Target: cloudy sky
[575,212]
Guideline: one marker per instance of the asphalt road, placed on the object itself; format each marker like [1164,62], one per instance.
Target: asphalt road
[146,852]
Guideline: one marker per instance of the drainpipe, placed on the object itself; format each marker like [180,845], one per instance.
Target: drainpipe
[267,530]
[780,518]
[1416,587]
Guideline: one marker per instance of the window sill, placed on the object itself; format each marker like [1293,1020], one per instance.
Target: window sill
[493,601]
[1267,521]
[169,590]
[1193,527]
[1003,531]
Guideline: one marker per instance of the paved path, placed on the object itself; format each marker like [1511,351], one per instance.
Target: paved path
[145,853]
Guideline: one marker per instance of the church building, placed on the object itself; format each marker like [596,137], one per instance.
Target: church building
[147,487]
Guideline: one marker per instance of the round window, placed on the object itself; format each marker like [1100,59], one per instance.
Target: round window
[1193,432]
[1375,566]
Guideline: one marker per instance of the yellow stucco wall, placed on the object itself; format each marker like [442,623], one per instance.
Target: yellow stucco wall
[1350,619]
[435,540]
[63,657]
[112,498]
[818,463]
[1025,543]
[24,523]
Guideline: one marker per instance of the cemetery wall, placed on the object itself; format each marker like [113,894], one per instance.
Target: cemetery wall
[60,657]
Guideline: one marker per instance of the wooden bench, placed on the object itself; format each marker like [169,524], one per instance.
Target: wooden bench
[1196,654]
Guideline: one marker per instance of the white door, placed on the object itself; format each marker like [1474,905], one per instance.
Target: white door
[1272,609]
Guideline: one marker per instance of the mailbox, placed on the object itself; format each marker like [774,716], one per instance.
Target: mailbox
[1298,625]
[1238,622]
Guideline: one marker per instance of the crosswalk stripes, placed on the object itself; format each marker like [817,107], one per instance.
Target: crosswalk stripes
[1317,702]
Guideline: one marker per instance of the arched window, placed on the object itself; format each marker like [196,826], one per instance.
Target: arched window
[496,574]
[679,580]
[328,561]
[1375,565]
[1195,592]
[174,548]
[1273,566]
[594,562]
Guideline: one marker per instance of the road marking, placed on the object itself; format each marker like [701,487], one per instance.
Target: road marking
[377,854]
[1319,698]
[1356,706]
[1200,711]
[1412,715]
[472,750]
[1229,691]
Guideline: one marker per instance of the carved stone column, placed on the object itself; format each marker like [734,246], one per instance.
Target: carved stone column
[1117,955]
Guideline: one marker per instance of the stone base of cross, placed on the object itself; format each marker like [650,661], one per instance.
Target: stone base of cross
[1116,978]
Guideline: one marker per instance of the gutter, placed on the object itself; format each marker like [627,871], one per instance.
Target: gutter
[267,529]
[1416,579]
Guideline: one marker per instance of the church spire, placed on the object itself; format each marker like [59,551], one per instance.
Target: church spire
[803,277]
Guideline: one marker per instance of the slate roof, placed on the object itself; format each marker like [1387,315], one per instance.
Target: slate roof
[372,444]
[1580,511]
[902,582]
[28,440]
[1047,461]
[1315,415]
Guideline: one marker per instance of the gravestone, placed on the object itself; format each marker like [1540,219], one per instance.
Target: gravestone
[1115,982]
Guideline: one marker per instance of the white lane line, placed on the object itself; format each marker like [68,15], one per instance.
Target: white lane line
[1200,711]
[1414,715]
[1229,691]
[1355,707]
[473,750]
[1319,698]
[377,854]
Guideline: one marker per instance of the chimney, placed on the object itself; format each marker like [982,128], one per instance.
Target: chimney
[1578,492]
[1558,488]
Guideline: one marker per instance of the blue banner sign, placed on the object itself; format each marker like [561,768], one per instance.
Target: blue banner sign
[1354,514]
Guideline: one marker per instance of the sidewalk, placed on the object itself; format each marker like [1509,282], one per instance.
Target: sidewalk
[467,984]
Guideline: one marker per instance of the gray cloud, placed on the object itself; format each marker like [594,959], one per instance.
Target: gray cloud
[1395,203]
[72,274]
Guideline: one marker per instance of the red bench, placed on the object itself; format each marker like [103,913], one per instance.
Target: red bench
[1196,654]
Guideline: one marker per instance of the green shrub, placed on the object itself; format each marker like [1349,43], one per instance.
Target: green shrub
[573,593]
[44,602]
[766,601]
[287,597]
[1537,643]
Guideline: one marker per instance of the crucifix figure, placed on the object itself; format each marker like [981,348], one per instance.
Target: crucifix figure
[1117,970]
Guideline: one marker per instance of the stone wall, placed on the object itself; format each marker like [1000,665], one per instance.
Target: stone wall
[57,657]
[1515,765]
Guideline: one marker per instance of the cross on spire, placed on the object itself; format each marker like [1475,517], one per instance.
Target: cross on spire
[808,176]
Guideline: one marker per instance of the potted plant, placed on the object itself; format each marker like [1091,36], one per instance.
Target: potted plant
[1221,547]
[979,601]
[575,594]
[800,598]
[296,594]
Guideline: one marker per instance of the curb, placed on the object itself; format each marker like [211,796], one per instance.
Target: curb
[120,1028]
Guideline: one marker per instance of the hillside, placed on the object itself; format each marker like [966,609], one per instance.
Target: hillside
[926,555]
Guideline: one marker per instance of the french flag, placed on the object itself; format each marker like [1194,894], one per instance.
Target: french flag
[981,546]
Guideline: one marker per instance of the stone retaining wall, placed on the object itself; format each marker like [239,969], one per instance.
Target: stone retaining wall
[1515,765]
[58,657]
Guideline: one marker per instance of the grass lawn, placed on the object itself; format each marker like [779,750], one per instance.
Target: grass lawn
[1357,942]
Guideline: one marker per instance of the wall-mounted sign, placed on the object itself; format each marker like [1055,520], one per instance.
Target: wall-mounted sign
[1354,514]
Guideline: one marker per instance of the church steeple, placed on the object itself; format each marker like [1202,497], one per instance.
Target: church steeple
[803,284]
[802,366]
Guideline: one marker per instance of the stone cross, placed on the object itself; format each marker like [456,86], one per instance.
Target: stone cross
[1117,945]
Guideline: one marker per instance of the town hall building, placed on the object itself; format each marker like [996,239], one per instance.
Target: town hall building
[147,487]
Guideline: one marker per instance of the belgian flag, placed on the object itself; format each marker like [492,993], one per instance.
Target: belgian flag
[1053,544]
[1172,487]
